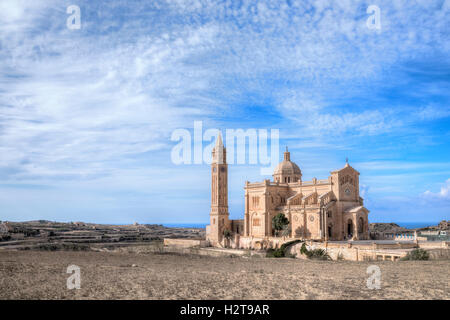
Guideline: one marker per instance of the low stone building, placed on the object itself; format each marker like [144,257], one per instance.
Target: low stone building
[5,228]
[444,225]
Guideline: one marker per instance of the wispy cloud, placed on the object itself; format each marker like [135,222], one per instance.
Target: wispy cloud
[100,103]
[444,193]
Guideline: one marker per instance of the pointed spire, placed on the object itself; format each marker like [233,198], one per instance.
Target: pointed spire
[346,162]
[219,142]
[219,150]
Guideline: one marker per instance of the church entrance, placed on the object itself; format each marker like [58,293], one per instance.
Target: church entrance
[349,228]
[330,231]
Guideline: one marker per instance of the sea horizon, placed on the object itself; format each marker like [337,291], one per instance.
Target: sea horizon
[407,225]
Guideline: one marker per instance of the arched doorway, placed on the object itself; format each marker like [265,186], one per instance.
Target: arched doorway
[349,228]
[330,230]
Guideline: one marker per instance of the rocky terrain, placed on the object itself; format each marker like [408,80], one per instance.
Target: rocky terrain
[386,227]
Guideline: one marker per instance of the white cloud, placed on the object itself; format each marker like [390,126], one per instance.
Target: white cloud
[80,104]
[444,193]
[430,112]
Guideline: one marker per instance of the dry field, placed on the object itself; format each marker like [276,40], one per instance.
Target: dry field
[106,275]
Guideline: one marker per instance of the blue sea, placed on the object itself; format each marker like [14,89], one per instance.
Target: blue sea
[185,225]
[414,225]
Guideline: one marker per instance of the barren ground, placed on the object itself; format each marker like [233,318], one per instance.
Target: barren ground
[108,275]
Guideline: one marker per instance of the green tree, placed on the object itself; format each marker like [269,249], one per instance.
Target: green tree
[279,222]
[227,235]
[417,254]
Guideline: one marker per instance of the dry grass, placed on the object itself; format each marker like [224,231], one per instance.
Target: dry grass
[106,275]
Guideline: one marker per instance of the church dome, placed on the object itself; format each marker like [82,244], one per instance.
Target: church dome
[287,171]
[287,167]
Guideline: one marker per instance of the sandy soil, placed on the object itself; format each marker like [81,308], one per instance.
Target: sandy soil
[105,275]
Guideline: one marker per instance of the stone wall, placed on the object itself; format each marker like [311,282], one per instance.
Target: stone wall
[373,251]
[185,243]
[367,251]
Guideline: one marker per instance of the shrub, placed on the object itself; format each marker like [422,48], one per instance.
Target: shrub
[275,253]
[417,254]
[281,252]
[60,246]
[303,249]
[319,254]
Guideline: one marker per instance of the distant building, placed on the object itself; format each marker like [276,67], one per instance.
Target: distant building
[444,225]
[435,235]
[429,232]
[5,228]
[397,236]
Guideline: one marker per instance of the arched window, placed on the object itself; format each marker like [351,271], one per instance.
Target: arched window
[361,225]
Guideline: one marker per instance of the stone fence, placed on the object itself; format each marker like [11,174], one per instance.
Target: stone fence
[185,243]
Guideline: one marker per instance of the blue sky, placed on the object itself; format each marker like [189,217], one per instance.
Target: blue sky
[86,115]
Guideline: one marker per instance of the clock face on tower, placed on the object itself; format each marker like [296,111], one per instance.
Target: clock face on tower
[222,169]
[214,169]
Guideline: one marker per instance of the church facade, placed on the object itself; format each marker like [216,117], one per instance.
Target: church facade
[327,210]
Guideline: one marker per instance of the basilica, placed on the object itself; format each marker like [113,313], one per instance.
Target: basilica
[321,209]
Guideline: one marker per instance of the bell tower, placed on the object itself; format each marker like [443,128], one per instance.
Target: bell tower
[219,193]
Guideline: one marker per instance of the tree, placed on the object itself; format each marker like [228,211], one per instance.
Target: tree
[279,222]
[227,235]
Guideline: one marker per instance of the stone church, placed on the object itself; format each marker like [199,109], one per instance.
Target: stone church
[326,210]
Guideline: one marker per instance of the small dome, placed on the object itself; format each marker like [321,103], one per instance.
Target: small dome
[287,167]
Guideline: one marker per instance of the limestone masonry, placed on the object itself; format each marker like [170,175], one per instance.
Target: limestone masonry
[328,209]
